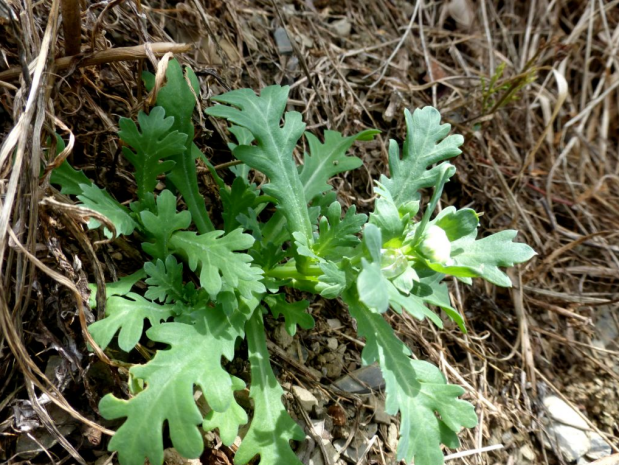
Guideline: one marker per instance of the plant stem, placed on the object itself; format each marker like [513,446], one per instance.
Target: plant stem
[72,25]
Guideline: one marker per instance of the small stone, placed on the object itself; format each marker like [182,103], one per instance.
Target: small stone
[332,343]
[353,453]
[527,453]
[334,323]
[599,447]
[292,65]
[307,400]
[392,437]
[507,438]
[362,380]
[333,370]
[282,41]
[317,457]
[172,457]
[320,429]
[306,41]
[341,27]
[380,416]
[572,442]
[281,336]
[317,374]
[563,413]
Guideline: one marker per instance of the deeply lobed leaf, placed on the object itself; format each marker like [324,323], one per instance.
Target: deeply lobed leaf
[325,160]
[294,313]
[101,201]
[152,143]
[272,154]
[431,412]
[193,359]
[179,100]
[337,235]
[271,428]
[426,143]
[127,315]
[165,280]
[220,267]
[162,223]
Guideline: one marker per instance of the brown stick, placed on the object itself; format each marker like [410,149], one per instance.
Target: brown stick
[72,26]
[107,56]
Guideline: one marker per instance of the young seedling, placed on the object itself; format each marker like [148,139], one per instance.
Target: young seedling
[396,259]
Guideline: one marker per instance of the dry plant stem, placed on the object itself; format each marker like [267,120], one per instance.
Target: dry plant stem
[15,143]
[385,65]
[137,52]
[284,356]
[49,424]
[27,365]
[562,93]
[466,453]
[466,385]
[523,325]
[72,26]
[76,294]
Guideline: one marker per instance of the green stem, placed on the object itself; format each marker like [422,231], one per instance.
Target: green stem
[447,172]
[289,271]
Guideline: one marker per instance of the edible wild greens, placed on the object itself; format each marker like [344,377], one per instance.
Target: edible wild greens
[397,258]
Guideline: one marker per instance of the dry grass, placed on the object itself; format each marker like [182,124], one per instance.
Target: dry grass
[541,156]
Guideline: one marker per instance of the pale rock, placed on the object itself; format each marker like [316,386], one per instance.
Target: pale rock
[341,27]
[281,336]
[572,442]
[362,380]
[317,374]
[334,323]
[172,457]
[282,41]
[563,413]
[370,430]
[392,437]
[463,12]
[317,456]
[527,453]
[599,447]
[332,343]
[307,400]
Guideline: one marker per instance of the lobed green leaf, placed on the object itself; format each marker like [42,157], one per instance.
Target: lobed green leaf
[101,201]
[426,143]
[152,143]
[431,412]
[193,360]
[271,428]
[272,154]
[161,225]
[221,269]
[127,315]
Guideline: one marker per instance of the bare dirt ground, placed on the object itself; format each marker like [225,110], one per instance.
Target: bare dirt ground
[532,85]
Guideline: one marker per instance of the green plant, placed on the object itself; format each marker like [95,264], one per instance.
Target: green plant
[507,91]
[389,260]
